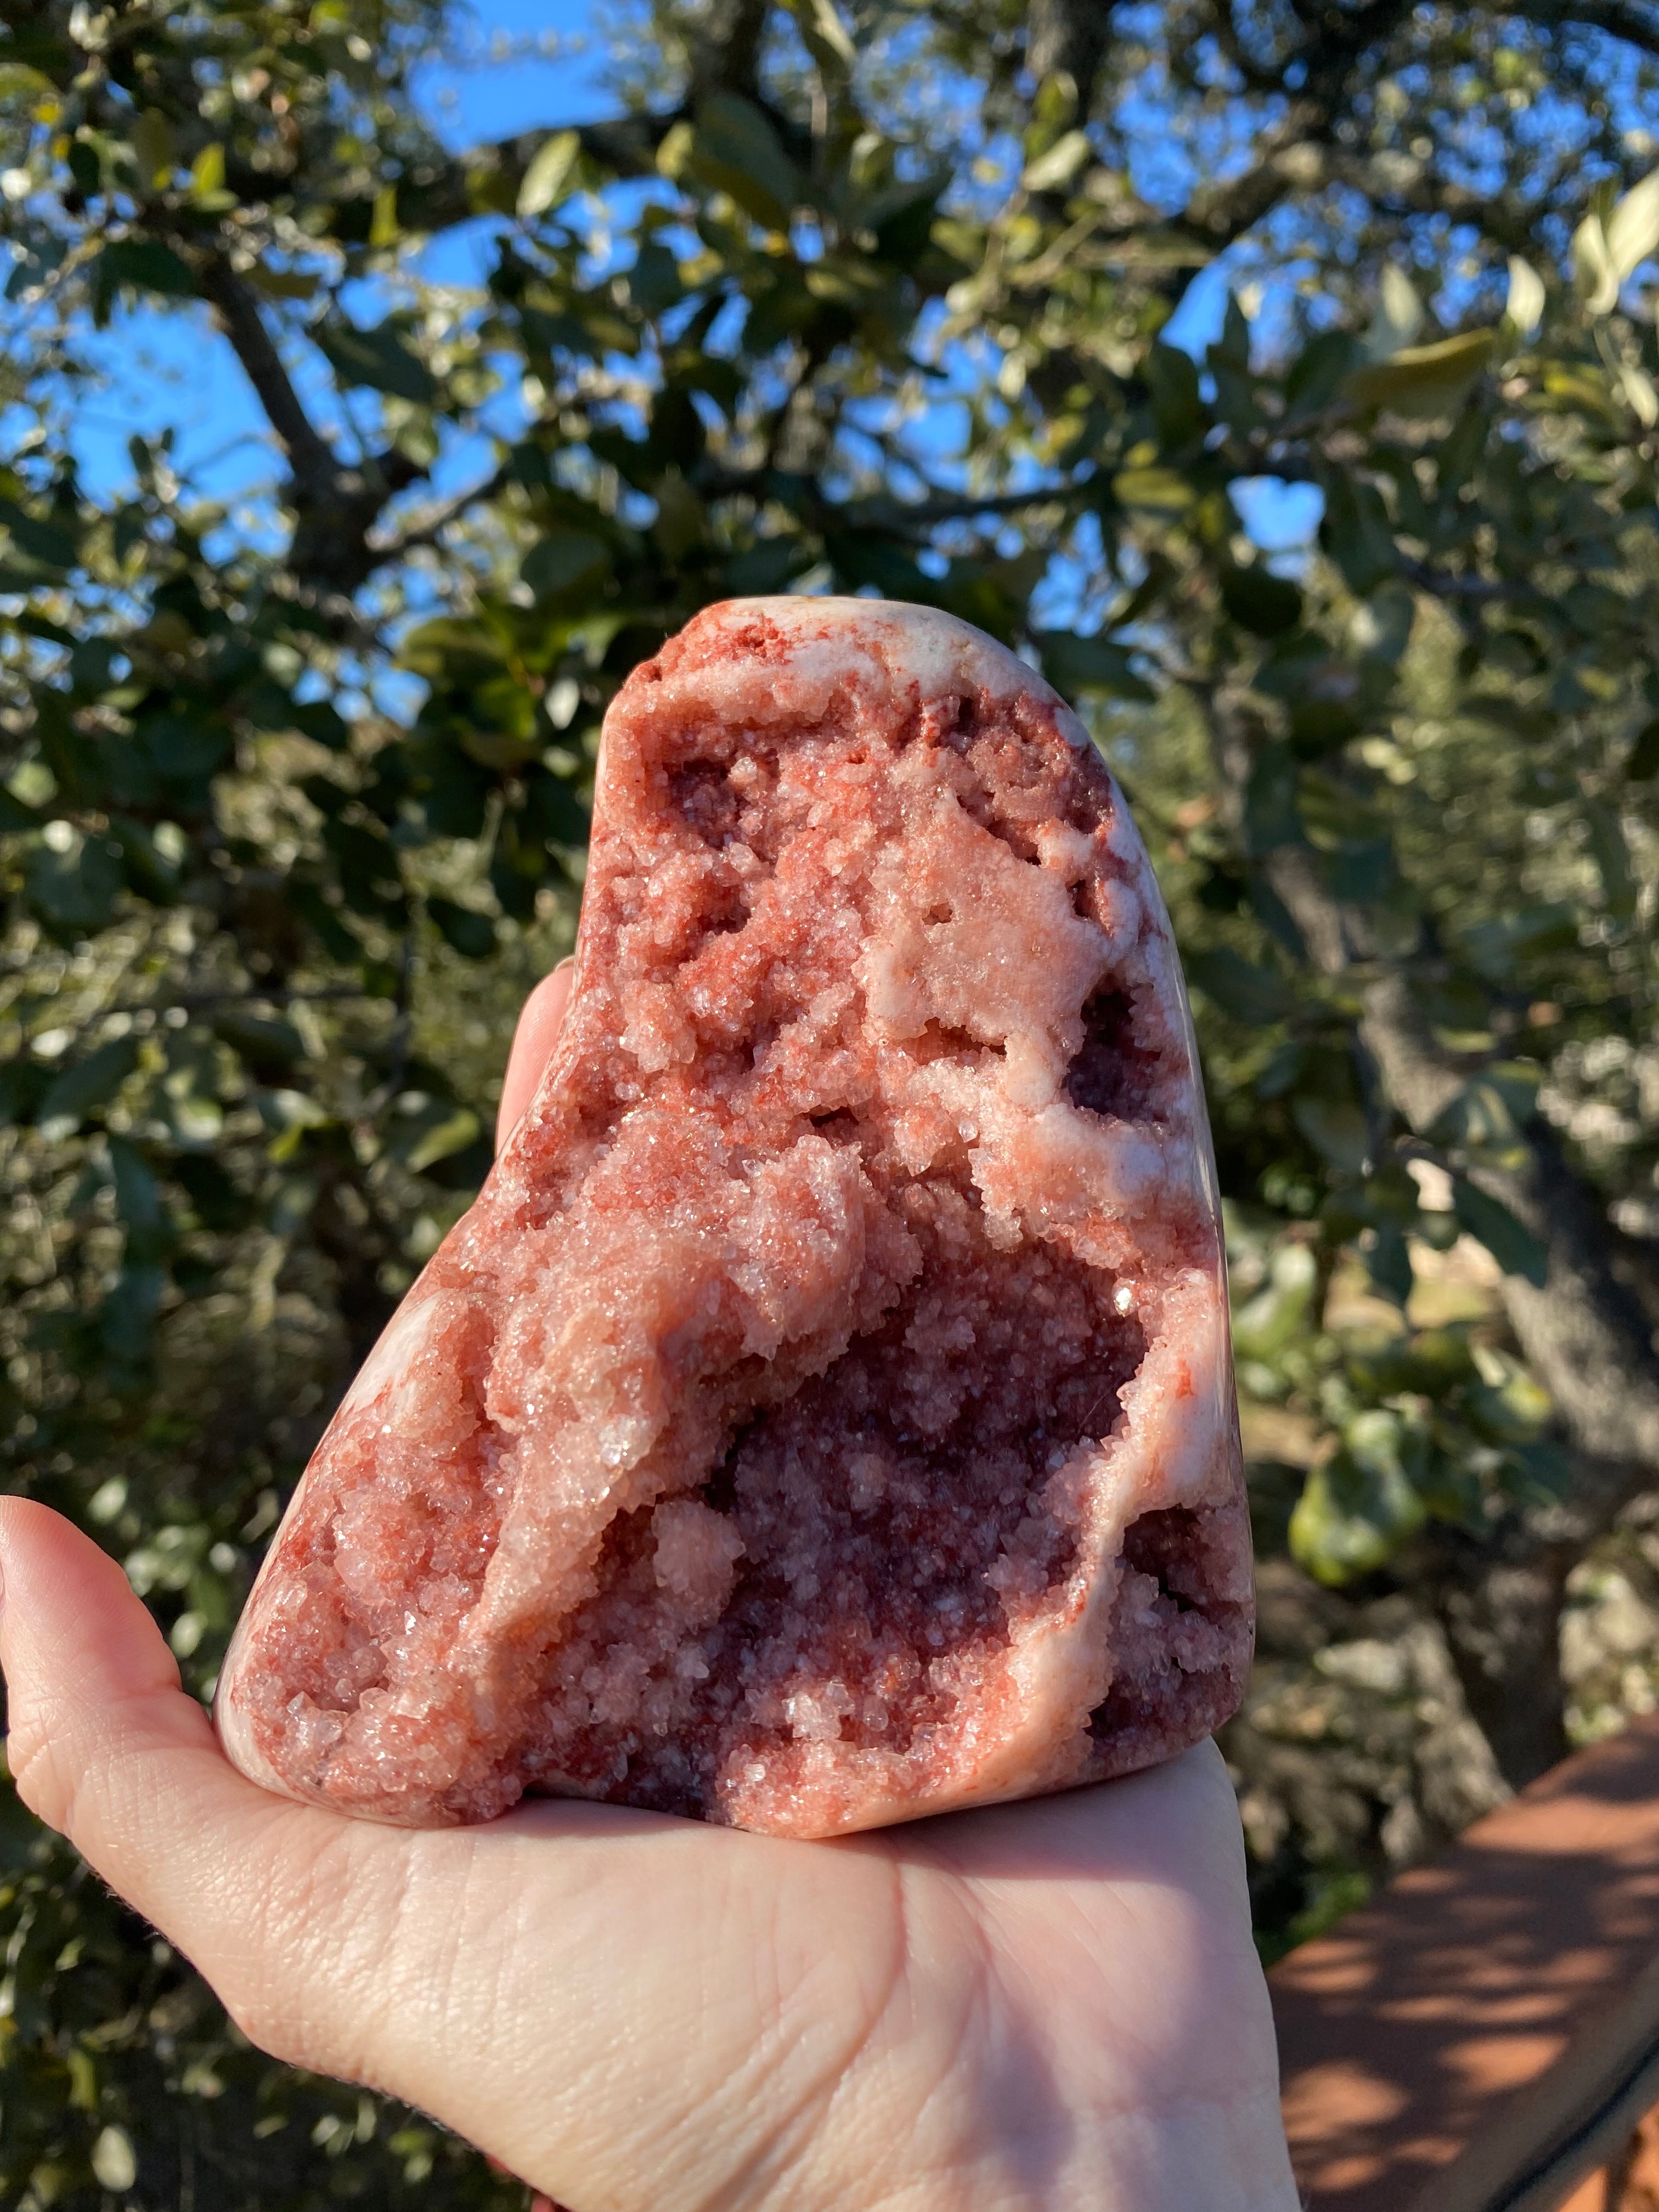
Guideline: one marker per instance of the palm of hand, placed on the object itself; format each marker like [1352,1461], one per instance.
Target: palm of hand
[1046,2004]
[1043,2005]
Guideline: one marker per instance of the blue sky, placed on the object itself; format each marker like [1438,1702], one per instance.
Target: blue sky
[526,64]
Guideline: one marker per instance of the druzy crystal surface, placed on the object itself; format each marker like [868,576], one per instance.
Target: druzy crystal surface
[823,1416]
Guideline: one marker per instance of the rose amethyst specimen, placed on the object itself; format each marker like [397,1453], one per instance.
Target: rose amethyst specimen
[824,1415]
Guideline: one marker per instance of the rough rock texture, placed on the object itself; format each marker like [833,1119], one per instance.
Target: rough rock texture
[824,1415]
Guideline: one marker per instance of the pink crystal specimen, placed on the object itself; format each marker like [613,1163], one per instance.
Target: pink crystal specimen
[824,1415]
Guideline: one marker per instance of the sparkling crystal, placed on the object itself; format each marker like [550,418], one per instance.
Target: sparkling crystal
[824,1415]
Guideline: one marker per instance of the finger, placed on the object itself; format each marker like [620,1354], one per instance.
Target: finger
[532,1046]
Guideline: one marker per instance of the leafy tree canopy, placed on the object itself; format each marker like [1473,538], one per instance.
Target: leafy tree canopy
[870,295]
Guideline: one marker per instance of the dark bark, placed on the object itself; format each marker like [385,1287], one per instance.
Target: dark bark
[336,504]
[1499,1599]
[726,52]
[1068,37]
[310,458]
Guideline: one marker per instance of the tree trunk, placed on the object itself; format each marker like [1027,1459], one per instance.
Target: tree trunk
[1584,1334]
[1068,37]
[1499,1602]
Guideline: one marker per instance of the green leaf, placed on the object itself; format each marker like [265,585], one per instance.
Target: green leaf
[737,149]
[45,541]
[548,174]
[73,892]
[452,649]
[1491,1110]
[1631,230]
[1399,316]
[1239,988]
[654,281]
[153,148]
[1053,171]
[1423,381]
[1337,1130]
[1355,531]
[284,284]
[86,1085]
[323,723]
[14,816]
[563,559]
[213,1195]
[147,866]
[206,178]
[1232,349]
[1510,1242]
[1594,278]
[143,264]
[1388,1261]
[383,226]
[553,811]
[23,1083]
[1316,376]
[185,747]
[1159,491]
[1356,1510]
[767,566]
[381,358]
[1523,309]
[424,1130]
[1642,762]
[289,1115]
[1172,378]
[1076,665]
[127,1321]
[826,36]
[469,934]
[1266,605]
[266,1042]
[19,82]
[138,1203]
[1281,1310]
[1500,947]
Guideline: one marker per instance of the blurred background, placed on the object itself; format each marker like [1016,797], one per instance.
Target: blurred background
[379,383]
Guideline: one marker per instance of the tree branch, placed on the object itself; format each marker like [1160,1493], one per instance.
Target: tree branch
[1068,37]
[336,504]
[429,533]
[1636,27]
[310,457]
[1292,154]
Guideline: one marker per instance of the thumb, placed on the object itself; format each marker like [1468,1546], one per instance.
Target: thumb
[533,1041]
[91,1689]
[105,1747]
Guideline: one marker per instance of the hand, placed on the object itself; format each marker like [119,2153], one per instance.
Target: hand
[1048,2005]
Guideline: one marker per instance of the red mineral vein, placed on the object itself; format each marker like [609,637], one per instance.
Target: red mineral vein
[824,1416]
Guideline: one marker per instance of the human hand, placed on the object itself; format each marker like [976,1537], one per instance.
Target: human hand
[1050,2005]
